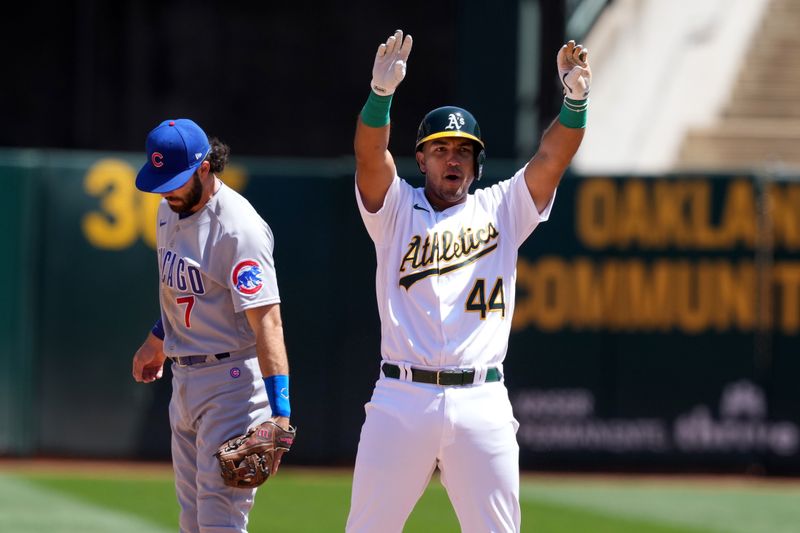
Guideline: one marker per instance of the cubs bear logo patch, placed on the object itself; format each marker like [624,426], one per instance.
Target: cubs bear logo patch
[246,277]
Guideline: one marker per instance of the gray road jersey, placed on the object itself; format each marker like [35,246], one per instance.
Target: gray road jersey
[212,266]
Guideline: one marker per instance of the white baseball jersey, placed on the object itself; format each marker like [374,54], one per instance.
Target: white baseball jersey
[445,280]
[213,265]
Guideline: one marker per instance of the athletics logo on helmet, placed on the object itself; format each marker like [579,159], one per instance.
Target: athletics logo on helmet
[246,277]
[451,121]
[175,148]
[455,121]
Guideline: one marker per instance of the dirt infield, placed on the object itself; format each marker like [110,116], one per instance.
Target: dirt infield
[127,468]
[91,467]
[662,479]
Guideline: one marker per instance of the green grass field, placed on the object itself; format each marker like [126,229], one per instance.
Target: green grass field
[142,499]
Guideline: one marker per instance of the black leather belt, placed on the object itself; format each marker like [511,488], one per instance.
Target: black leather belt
[188,360]
[463,376]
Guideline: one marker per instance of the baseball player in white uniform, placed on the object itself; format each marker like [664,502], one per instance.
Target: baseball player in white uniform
[220,320]
[446,271]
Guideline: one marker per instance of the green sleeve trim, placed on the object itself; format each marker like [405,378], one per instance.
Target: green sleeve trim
[573,113]
[375,112]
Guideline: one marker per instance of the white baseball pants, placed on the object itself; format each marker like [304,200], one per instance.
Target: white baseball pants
[469,432]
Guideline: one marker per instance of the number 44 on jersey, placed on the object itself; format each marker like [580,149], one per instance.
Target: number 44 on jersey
[478,303]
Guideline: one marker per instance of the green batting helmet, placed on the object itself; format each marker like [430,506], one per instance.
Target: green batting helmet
[451,121]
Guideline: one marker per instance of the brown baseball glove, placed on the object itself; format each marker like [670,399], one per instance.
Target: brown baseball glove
[247,461]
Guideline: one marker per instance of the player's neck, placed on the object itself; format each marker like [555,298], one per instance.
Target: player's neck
[439,204]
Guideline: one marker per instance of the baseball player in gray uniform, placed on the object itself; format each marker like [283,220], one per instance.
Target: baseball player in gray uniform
[446,271]
[220,320]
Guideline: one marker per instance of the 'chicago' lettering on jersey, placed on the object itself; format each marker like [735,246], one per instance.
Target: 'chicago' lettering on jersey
[454,250]
[178,273]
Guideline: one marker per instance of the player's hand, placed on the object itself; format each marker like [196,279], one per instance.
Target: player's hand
[148,361]
[390,63]
[574,71]
[283,422]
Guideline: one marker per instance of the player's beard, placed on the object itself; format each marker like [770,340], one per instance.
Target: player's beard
[191,200]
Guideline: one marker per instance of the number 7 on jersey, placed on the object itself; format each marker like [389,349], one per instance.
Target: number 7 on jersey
[189,301]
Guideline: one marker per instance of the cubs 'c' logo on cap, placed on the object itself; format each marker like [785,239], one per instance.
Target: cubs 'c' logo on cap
[157,159]
[454,121]
[247,277]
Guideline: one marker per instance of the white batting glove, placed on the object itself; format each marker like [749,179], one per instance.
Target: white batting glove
[574,71]
[390,63]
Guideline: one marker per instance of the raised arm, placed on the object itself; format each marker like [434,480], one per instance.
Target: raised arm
[375,167]
[562,138]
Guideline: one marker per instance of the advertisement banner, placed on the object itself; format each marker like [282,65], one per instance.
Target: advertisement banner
[652,319]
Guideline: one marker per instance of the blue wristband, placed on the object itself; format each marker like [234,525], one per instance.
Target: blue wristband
[158,329]
[278,394]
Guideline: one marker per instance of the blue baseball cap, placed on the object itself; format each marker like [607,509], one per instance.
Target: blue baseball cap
[175,148]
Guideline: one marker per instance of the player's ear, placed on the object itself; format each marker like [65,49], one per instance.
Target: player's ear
[204,168]
[421,162]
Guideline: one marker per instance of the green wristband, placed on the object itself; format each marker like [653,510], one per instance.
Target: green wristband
[573,113]
[375,112]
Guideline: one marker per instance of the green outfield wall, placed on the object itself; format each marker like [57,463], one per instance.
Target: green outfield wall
[656,324]
[20,232]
